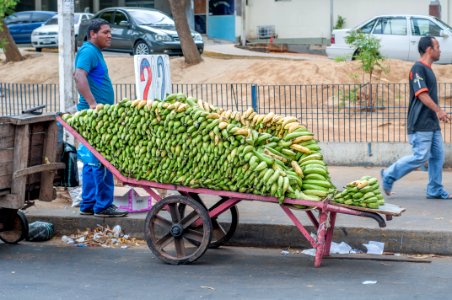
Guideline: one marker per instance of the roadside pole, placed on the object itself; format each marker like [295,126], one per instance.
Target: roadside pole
[66,49]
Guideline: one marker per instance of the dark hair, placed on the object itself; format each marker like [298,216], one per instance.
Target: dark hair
[424,43]
[95,25]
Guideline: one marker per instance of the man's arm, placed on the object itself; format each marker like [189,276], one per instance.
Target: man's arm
[428,101]
[82,85]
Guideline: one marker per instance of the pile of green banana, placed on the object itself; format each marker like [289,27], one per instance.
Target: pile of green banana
[185,141]
[364,192]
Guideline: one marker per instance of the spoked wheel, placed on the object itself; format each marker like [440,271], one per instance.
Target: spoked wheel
[171,236]
[141,48]
[15,226]
[223,226]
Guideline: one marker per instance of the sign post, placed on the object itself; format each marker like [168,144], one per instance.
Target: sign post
[66,56]
[152,76]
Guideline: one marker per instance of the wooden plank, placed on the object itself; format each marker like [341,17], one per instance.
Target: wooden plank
[21,142]
[6,155]
[6,168]
[11,201]
[25,119]
[6,142]
[49,155]
[38,169]
[5,181]
[386,209]
[7,129]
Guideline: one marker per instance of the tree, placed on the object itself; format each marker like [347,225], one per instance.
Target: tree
[368,53]
[10,49]
[189,49]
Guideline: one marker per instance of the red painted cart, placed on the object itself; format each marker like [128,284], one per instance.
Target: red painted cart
[180,228]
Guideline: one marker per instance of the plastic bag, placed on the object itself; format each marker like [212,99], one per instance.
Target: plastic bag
[40,231]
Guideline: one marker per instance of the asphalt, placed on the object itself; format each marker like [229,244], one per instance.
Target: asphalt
[425,227]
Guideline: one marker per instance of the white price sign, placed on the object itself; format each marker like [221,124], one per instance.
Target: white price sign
[152,76]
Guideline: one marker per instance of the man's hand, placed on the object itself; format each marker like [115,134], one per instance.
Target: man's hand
[442,116]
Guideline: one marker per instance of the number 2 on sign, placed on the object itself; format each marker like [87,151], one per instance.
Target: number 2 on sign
[145,66]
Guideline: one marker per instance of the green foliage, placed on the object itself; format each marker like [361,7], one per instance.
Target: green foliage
[340,22]
[368,51]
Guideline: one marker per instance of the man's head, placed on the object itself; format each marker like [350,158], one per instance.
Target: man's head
[99,33]
[429,46]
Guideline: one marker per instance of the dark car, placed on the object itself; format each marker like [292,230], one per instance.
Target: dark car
[141,31]
[21,24]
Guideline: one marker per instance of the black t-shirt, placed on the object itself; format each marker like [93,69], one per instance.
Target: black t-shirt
[420,117]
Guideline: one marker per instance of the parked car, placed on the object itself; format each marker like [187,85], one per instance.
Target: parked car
[46,36]
[21,24]
[141,31]
[399,36]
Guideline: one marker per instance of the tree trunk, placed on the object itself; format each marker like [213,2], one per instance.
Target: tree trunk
[189,49]
[10,49]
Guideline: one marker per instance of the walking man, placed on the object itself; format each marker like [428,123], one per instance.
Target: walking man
[95,87]
[424,132]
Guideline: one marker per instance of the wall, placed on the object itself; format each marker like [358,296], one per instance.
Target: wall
[300,19]
[370,154]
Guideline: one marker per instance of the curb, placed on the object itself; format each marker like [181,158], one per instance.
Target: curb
[278,236]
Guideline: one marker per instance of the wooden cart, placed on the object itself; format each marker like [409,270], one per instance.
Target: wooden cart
[180,228]
[28,155]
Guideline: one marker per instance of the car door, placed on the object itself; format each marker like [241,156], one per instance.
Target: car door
[427,27]
[17,26]
[120,31]
[393,35]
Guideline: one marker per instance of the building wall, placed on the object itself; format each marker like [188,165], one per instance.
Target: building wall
[295,19]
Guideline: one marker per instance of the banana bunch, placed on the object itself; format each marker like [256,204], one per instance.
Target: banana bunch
[186,141]
[364,192]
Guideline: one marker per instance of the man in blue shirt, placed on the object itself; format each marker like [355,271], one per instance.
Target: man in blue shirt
[424,131]
[95,87]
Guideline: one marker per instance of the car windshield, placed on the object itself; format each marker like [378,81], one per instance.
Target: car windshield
[54,20]
[445,24]
[150,17]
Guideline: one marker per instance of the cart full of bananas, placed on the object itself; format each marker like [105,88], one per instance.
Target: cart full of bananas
[186,141]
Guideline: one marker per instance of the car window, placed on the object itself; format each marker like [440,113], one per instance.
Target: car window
[150,17]
[367,28]
[107,16]
[391,26]
[421,27]
[39,17]
[76,18]
[52,21]
[18,18]
[119,16]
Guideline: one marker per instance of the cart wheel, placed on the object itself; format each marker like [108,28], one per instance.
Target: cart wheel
[223,226]
[16,230]
[169,234]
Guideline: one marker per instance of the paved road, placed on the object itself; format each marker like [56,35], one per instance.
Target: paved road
[52,271]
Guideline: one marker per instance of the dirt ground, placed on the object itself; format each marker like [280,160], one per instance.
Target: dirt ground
[43,68]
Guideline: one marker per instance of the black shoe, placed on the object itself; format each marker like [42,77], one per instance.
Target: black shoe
[88,212]
[111,211]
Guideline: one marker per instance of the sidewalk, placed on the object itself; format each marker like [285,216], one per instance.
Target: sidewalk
[425,226]
[213,47]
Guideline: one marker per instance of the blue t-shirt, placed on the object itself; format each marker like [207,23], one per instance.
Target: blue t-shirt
[90,59]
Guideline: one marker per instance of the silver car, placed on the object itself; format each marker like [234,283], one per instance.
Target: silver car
[399,37]
[141,31]
[46,36]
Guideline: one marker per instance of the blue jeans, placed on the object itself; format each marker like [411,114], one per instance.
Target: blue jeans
[97,188]
[426,146]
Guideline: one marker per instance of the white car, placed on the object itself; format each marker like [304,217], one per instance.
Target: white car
[399,36]
[46,36]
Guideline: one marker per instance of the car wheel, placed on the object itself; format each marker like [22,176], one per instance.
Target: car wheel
[38,49]
[201,50]
[141,48]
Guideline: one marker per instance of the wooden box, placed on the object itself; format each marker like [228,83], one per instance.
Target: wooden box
[28,159]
